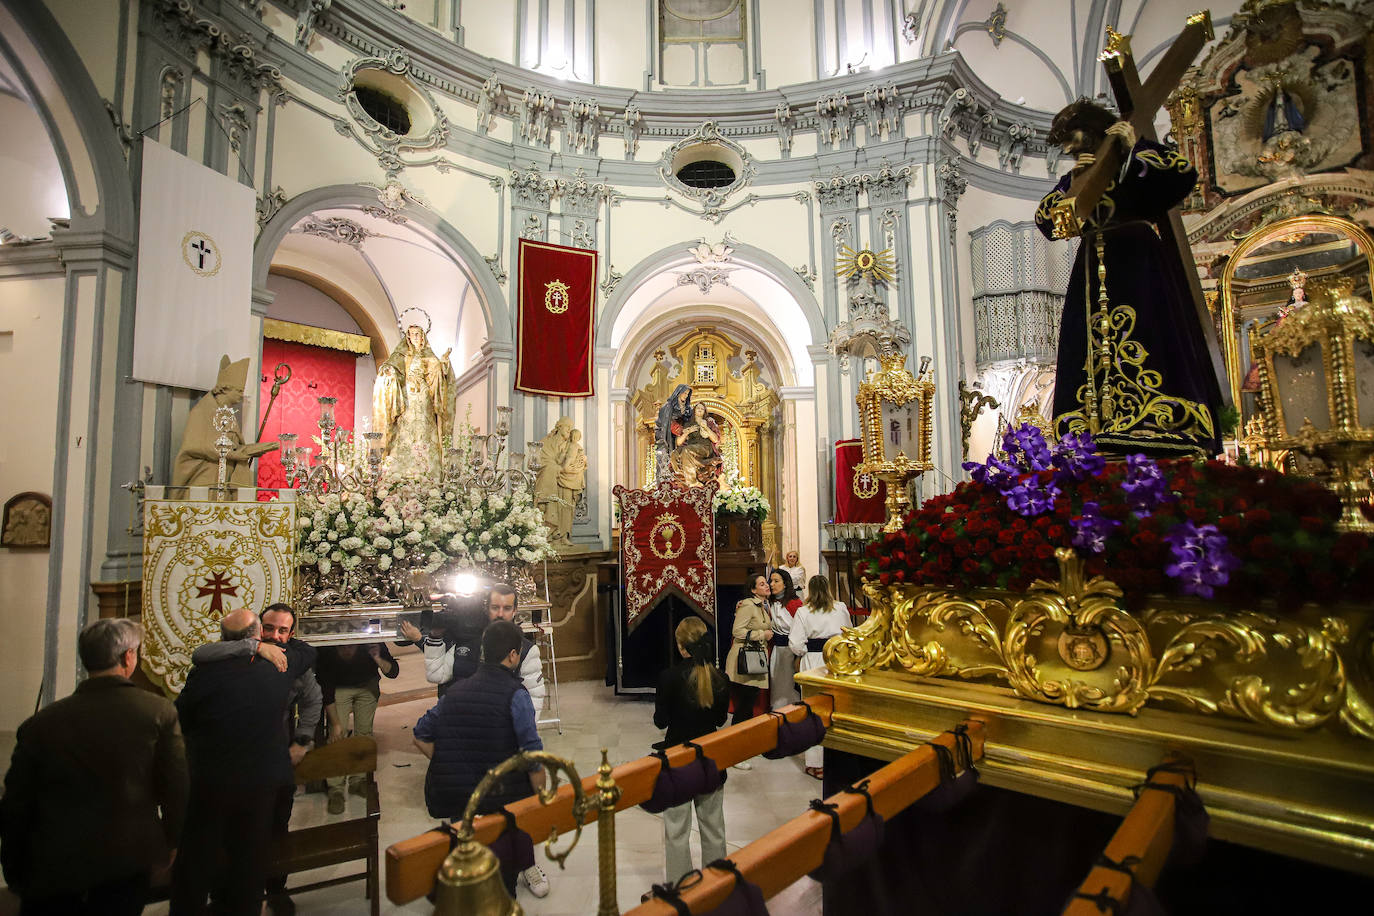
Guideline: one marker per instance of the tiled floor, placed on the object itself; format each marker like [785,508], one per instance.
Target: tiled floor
[593,717]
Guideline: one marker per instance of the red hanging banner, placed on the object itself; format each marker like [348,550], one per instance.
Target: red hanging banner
[556,319]
[860,501]
[667,543]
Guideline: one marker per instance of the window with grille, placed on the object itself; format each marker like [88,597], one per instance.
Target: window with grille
[1019,278]
[384,108]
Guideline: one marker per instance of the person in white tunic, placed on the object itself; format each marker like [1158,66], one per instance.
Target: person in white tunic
[783,605]
[820,618]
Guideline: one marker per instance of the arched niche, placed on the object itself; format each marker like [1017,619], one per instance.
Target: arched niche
[495,311]
[786,301]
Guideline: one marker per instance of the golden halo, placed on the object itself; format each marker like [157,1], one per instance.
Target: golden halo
[879,265]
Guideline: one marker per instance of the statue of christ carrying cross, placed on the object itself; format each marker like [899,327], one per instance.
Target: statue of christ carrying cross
[1136,365]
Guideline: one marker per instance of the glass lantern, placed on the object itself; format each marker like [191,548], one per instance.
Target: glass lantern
[1317,389]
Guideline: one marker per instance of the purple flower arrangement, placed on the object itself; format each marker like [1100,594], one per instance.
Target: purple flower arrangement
[1033,474]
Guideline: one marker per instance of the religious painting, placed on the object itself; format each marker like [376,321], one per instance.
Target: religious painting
[28,521]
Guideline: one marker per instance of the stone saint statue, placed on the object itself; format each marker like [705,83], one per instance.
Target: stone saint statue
[413,404]
[197,464]
[561,479]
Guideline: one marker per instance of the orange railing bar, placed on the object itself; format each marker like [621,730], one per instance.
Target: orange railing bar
[1147,833]
[412,864]
[778,858]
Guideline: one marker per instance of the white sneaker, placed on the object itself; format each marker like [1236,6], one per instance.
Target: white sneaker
[743,765]
[535,879]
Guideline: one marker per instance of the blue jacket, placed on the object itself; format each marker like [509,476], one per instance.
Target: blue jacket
[473,730]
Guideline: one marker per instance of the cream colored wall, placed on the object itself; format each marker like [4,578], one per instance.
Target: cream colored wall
[621,46]
[32,189]
[489,28]
[31,311]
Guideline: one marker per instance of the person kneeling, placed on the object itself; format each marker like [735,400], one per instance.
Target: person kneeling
[480,722]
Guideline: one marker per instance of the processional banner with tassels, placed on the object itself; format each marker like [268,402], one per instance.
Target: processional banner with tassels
[667,544]
[201,560]
[859,498]
[557,310]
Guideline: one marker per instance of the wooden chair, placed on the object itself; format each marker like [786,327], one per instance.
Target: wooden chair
[338,841]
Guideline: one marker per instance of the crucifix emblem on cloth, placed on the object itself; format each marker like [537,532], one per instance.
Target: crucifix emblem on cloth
[201,254]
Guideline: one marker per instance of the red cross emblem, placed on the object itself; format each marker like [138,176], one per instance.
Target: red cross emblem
[217,586]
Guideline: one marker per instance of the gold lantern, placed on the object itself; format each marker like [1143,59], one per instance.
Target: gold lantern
[1317,389]
[895,412]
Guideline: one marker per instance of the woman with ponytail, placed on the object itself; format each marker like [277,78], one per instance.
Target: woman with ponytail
[820,618]
[693,699]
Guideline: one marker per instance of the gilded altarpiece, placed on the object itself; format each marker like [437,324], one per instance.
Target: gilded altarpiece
[725,376]
[202,559]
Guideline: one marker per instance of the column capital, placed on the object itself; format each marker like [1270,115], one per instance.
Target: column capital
[262,299]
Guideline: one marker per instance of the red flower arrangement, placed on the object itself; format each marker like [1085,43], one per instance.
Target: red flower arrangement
[1279,528]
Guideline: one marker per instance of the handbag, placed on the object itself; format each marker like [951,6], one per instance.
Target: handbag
[752,659]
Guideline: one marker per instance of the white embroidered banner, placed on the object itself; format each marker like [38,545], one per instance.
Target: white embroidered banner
[202,560]
[195,270]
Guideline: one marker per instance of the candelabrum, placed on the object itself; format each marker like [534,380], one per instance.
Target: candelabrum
[342,465]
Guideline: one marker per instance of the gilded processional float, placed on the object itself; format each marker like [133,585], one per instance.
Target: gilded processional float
[372,528]
[1099,604]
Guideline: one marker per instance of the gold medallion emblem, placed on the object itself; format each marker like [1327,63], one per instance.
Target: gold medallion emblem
[667,537]
[1083,648]
[865,485]
[556,296]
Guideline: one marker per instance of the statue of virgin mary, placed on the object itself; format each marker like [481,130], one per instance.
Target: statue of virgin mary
[413,404]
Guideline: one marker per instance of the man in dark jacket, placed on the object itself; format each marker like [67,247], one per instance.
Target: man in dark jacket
[232,712]
[96,791]
[351,681]
[481,721]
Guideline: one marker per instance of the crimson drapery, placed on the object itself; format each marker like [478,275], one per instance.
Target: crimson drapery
[850,507]
[316,372]
[667,543]
[557,310]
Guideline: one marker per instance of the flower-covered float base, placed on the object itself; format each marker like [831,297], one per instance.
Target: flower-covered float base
[1051,572]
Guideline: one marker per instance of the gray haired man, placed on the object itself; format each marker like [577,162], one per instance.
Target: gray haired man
[111,750]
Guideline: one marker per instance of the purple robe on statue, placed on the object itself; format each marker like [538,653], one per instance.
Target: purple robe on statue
[1165,396]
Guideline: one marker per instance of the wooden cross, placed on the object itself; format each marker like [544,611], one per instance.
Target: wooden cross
[1138,104]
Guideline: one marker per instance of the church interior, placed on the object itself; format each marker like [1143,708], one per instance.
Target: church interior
[1039,331]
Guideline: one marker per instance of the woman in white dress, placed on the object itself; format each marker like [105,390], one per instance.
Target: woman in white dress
[820,618]
[782,607]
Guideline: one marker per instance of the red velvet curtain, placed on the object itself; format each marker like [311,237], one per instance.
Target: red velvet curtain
[316,372]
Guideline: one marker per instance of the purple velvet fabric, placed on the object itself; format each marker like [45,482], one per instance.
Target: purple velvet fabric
[678,785]
[795,737]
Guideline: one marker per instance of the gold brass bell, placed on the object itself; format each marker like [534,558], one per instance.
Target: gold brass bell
[469,884]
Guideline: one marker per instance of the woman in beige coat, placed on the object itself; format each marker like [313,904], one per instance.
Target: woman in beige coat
[751,624]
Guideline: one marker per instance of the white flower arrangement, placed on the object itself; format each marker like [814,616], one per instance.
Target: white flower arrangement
[438,521]
[741,500]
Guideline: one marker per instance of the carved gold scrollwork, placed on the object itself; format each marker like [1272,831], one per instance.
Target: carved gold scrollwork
[1358,713]
[1071,643]
[866,646]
